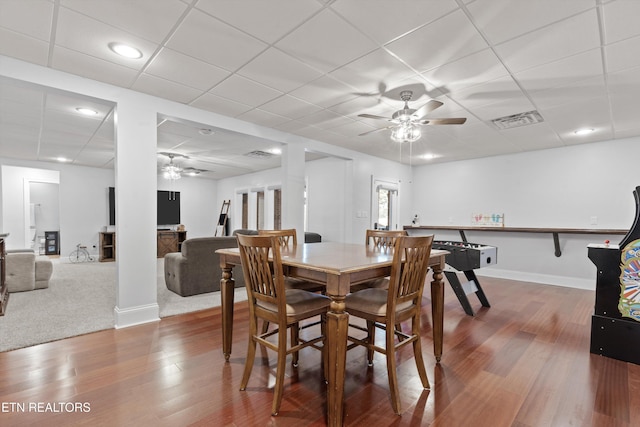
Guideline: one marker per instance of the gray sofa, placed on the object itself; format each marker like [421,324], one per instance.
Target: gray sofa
[26,271]
[196,269]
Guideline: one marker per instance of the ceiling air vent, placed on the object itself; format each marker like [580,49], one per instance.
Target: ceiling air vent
[259,154]
[517,120]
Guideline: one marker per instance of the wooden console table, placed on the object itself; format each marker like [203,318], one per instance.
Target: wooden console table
[555,232]
[168,241]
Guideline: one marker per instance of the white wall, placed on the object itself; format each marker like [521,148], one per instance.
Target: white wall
[557,188]
[198,204]
[84,202]
[16,200]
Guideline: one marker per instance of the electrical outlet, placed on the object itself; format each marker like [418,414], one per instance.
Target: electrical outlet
[594,220]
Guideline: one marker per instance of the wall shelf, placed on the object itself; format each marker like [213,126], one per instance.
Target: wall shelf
[555,232]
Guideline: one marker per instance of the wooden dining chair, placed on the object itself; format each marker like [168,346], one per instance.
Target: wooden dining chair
[385,308]
[288,238]
[285,237]
[383,240]
[271,302]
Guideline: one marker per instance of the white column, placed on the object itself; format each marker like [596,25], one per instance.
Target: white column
[136,230]
[293,181]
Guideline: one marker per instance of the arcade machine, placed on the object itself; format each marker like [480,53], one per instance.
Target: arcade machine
[615,324]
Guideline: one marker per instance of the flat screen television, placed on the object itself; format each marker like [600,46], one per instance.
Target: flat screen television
[168,207]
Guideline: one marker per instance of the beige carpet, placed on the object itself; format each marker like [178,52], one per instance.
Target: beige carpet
[80,299]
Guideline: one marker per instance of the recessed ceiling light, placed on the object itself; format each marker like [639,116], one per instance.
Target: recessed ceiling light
[205,131]
[125,50]
[86,111]
[428,156]
[62,159]
[276,151]
[584,131]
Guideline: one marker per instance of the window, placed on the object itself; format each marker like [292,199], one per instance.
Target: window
[260,210]
[245,210]
[277,209]
[384,209]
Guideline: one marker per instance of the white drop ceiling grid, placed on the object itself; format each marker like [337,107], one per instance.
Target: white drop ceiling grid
[309,67]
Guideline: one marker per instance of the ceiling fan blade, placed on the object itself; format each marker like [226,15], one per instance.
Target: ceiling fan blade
[375,130]
[427,108]
[450,121]
[371,116]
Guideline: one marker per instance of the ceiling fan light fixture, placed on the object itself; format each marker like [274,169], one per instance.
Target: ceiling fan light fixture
[405,132]
[171,171]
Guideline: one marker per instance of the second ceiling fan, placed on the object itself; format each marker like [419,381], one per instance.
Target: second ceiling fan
[407,121]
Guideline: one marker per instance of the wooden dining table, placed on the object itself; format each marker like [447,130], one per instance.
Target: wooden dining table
[338,266]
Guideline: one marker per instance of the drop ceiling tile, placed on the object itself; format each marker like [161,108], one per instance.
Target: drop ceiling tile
[569,117]
[263,118]
[215,42]
[150,19]
[502,108]
[94,68]
[565,71]
[551,43]
[620,20]
[245,91]
[501,89]
[501,20]
[623,55]
[384,23]
[578,91]
[278,70]
[326,42]
[290,107]
[32,18]
[185,70]
[471,70]
[624,83]
[364,105]
[533,137]
[165,89]
[86,35]
[217,104]
[22,47]
[324,92]
[445,40]
[252,16]
[372,71]
[325,119]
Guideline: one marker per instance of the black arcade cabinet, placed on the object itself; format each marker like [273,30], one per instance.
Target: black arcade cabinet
[615,324]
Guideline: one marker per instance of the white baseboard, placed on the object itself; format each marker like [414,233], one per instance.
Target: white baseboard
[546,279]
[136,315]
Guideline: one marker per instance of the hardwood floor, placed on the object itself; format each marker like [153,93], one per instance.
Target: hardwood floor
[523,362]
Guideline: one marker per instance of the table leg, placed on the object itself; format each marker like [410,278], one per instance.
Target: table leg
[437,311]
[336,329]
[227,294]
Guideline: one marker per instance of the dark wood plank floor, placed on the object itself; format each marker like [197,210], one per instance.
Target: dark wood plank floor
[523,362]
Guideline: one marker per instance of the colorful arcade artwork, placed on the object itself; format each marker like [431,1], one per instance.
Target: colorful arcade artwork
[487,219]
[629,304]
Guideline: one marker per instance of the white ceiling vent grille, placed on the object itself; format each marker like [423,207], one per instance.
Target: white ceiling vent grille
[259,154]
[517,120]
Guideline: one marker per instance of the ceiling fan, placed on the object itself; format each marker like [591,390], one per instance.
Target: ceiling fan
[407,121]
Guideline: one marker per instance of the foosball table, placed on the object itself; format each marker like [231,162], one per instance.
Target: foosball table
[466,257]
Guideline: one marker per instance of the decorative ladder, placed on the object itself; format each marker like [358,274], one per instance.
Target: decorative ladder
[222,220]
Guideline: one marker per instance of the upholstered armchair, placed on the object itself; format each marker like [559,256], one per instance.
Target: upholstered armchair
[26,271]
[196,269]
